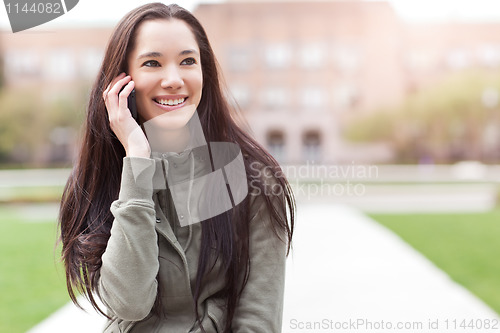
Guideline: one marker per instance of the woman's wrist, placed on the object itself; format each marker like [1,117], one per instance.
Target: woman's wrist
[138,152]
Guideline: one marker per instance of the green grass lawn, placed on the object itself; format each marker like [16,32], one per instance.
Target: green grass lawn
[465,246]
[32,283]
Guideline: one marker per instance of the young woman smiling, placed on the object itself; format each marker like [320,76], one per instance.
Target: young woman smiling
[123,239]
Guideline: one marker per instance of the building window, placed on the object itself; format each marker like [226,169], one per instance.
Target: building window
[22,63]
[239,58]
[60,65]
[347,59]
[275,97]
[313,98]
[311,141]
[90,62]
[489,55]
[312,56]
[457,59]
[241,95]
[276,144]
[278,56]
[345,96]
[421,60]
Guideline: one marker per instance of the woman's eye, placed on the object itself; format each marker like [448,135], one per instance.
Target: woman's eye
[188,61]
[151,63]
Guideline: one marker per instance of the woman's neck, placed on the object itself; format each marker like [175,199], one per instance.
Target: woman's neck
[164,140]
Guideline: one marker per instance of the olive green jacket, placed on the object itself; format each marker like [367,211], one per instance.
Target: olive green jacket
[148,248]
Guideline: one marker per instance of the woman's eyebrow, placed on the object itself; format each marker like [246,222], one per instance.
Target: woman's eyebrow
[150,55]
[190,51]
[155,54]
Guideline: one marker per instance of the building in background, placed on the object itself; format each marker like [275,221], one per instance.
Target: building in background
[434,50]
[55,62]
[299,71]
[52,72]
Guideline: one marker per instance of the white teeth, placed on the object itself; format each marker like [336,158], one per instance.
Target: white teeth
[171,102]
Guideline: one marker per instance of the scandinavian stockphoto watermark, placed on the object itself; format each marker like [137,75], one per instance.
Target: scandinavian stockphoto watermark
[311,180]
[204,180]
[26,14]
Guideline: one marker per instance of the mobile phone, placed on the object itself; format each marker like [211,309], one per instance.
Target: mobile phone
[132,105]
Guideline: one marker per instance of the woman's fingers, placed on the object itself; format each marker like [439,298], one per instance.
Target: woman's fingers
[115,89]
[116,79]
[116,102]
[126,129]
[117,86]
[112,85]
[115,96]
[122,97]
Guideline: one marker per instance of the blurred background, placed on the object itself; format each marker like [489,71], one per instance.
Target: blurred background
[397,100]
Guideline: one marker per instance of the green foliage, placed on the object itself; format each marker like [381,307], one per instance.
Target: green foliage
[445,122]
[462,245]
[27,120]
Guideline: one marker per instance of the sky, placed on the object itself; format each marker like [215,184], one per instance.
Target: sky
[109,12]
[94,12]
[435,10]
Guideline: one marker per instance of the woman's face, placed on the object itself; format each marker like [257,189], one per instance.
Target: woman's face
[165,66]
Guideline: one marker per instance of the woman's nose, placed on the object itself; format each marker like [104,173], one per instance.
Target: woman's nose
[171,78]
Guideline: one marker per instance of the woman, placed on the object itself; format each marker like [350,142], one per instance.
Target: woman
[153,272]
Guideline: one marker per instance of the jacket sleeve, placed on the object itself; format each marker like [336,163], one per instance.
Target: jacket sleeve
[260,308]
[127,283]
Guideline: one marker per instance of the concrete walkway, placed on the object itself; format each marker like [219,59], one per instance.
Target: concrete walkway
[347,269]
[348,274]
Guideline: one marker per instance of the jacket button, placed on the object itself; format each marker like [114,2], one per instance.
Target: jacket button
[158,220]
[181,217]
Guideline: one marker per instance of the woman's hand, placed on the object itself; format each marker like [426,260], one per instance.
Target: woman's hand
[125,127]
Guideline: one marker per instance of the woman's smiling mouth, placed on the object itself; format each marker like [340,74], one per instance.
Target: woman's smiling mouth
[169,103]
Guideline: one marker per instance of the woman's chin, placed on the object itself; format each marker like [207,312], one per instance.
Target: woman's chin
[165,124]
[172,120]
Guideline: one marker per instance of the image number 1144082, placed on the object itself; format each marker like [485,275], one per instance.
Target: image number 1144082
[26,14]
[41,7]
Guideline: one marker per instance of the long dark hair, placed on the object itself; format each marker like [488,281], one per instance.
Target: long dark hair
[85,219]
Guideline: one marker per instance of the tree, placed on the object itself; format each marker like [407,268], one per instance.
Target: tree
[28,125]
[443,123]
[2,68]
